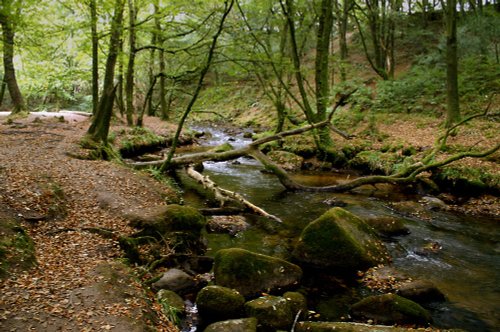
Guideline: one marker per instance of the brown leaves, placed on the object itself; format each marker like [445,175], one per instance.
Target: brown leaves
[36,175]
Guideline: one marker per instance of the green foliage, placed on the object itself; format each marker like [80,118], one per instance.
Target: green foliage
[17,250]
[422,89]
[173,313]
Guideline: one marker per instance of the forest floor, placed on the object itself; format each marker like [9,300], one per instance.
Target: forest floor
[78,282]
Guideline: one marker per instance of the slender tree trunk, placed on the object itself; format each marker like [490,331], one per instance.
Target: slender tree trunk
[2,90]
[342,13]
[99,129]
[322,67]
[164,109]
[152,58]
[120,103]
[95,56]
[129,79]
[453,110]
[8,62]
[204,71]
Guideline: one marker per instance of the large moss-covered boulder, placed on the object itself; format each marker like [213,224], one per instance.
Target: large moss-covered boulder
[169,218]
[178,225]
[234,325]
[272,312]
[390,309]
[251,273]
[340,240]
[219,303]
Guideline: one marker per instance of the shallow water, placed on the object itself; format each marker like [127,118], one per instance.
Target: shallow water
[466,269]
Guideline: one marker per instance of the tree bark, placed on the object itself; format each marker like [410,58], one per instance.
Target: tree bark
[8,29]
[95,56]
[129,79]
[99,129]
[204,71]
[322,68]
[453,110]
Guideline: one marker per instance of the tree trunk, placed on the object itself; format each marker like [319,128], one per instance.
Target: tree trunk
[99,129]
[152,58]
[8,27]
[164,109]
[95,56]
[2,90]
[129,79]
[342,13]
[453,110]
[204,71]
[322,68]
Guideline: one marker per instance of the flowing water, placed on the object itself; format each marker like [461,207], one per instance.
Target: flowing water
[466,268]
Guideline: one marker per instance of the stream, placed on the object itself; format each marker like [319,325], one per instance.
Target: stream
[466,268]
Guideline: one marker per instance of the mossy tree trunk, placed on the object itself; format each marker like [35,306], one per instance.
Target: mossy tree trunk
[8,13]
[453,110]
[95,55]
[342,9]
[322,67]
[99,128]
[228,5]
[129,77]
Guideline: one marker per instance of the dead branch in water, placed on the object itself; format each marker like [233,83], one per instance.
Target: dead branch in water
[224,196]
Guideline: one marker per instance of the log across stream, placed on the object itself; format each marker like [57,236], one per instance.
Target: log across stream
[463,261]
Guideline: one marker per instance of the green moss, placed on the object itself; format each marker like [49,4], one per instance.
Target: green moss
[137,139]
[463,179]
[375,161]
[172,305]
[219,303]
[182,218]
[390,309]
[17,250]
[339,239]
[251,273]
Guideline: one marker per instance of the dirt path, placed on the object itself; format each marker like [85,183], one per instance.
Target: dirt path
[73,286]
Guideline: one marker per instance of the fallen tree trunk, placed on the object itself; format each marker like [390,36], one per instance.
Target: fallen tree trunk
[224,196]
[407,175]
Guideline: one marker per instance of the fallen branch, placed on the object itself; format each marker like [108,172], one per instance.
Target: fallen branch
[224,196]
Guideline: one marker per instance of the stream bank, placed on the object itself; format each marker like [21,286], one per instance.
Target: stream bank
[458,253]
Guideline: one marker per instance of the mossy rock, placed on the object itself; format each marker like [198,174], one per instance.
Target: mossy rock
[421,291]
[219,303]
[374,162]
[462,179]
[251,273]
[287,160]
[137,140]
[234,325]
[387,225]
[348,327]
[171,302]
[169,218]
[340,241]
[272,312]
[17,250]
[390,309]
[298,303]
